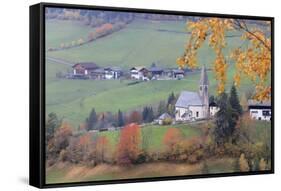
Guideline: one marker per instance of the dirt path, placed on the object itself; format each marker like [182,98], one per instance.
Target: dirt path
[59,61]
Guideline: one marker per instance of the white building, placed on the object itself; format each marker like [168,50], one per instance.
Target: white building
[163,117]
[260,110]
[139,73]
[113,73]
[192,106]
[213,109]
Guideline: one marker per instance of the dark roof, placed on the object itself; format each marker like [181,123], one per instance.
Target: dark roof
[178,71]
[204,77]
[113,68]
[187,98]
[168,70]
[100,71]
[86,65]
[252,102]
[155,69]
[213,104]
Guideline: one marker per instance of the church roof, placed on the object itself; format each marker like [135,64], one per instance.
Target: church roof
[164,116]
[204,77]
[188,98]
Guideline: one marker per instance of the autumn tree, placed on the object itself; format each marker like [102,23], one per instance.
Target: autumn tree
[83,146]
[101,148]
[129,144]
[172,139]
[62,135]
[60,141]
[104,29]
[135,117]
[252,61]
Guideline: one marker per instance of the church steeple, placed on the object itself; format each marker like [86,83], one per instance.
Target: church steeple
[204,81]
[204,90]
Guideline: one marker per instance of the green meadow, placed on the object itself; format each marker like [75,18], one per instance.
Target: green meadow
[152,135]
[139,44]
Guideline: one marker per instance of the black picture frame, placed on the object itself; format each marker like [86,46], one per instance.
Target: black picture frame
[37,94]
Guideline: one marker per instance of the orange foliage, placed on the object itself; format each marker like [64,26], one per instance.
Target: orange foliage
[104,28]
[101,147]
[129,144]
[172,138]
[135,117]
[65,130]
[253,62]
[85,140]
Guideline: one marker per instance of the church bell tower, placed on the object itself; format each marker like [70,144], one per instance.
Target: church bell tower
[204,90]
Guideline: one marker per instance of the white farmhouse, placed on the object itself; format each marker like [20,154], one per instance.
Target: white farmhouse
[192,106]
[113,72]
[260,110]
[139,73]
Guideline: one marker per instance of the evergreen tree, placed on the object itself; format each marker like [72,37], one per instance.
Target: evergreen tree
[225,122]
[52,124]
[234,100]
[120,117]
[171,109]
[150,116]
[171,104]
[161,108]
[91,120]
[212,99]
[145,114]
[171,99]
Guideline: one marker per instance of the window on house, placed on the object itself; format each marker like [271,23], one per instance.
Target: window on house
[266,113]
[197,114]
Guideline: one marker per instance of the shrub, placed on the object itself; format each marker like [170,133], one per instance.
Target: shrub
[262,164]
[167,121]
[243,163]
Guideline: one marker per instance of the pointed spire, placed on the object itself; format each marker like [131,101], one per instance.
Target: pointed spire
[204,77]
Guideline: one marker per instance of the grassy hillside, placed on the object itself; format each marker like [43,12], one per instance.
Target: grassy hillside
[140,43]
[64,31]
[138,40]
[153,135]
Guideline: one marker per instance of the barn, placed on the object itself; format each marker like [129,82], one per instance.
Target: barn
[84,68]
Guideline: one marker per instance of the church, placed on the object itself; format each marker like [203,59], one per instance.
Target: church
[192,106]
